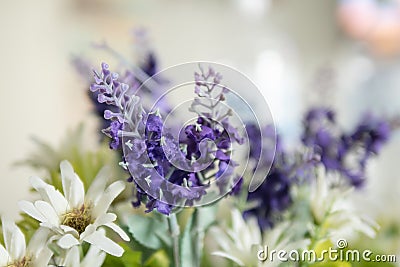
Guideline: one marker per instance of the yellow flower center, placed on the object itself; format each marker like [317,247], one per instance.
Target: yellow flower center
[25,262]
[78,218]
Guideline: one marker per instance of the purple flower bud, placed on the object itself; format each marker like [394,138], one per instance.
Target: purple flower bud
[114,76]
[101,98]
[104,68]
[108,114]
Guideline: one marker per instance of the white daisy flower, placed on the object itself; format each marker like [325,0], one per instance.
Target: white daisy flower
[75,217]
[93,258]
[17,254]
[331,208]
[241,241]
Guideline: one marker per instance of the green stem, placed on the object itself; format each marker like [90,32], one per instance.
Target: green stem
[175,231]
[199,235]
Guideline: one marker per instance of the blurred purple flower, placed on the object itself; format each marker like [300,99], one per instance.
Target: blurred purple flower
[271,198]
[334,147]
[372,133]
[328,144]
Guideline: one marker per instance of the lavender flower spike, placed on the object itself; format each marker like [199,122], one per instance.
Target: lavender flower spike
[123,105]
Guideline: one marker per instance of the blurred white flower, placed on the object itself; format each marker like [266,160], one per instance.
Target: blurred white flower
[75,217]
[332,210]
[280,237]
[241,242]
[16,253]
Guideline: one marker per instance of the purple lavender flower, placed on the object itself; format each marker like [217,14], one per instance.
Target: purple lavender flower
[148,60]
[333,146]
[273,196]
[110,95]
[329,145]
[148,67]
[149,148]
[372,133]
[320,134]
[115,127]
[191,188]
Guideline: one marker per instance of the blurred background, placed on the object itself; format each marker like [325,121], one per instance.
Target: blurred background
[343,54]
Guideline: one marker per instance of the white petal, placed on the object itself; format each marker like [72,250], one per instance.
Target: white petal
[50,194]
[14,239]
[48,212]
[77,193]
[38,241]
[107,198]
[105,218]
[39,185]
[98,185]
[42,258]
[90,229]
[31,210]
[67,241]
[18,244]
[72,185]
[228,256]
[38,249]
[69,230]
[94,258]
[72,258]
[4,256]
[8,229]
[104,243]
[66,173]
[52,227]
[118,230]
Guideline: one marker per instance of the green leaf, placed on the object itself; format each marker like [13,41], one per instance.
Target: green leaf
[192,239]
[112,261]
[205,217]
[372,264]
[146,252]
[149,231]
[158,259]
[331,264]
[131,258]
[187,254]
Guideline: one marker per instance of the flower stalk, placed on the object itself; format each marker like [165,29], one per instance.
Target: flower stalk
[175,232]
[199,236]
